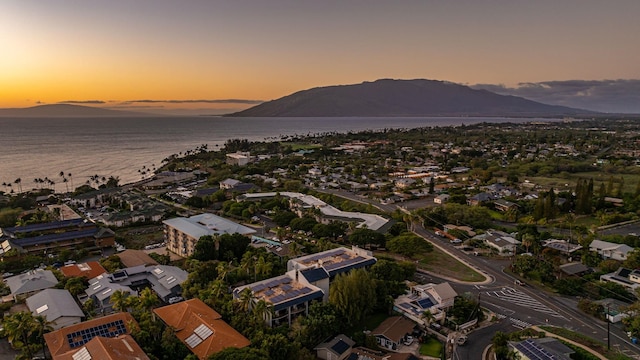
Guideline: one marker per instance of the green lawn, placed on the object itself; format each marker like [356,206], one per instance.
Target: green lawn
[439,262]
[431,348]
[371,322]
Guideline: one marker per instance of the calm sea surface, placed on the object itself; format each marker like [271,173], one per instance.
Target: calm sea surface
[43,147]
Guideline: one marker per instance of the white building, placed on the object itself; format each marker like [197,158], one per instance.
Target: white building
[610,250]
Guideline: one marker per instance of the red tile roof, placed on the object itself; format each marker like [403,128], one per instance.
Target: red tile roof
[188,315]
[57,340]
[89,269]
[123,347]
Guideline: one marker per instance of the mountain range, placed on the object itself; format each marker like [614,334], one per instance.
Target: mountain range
[380,98]
[391,98]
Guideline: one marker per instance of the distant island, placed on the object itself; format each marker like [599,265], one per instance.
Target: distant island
[66,110]
[397,98]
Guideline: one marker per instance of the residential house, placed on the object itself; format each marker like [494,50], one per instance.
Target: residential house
[164,280]
[441,199]
[363,353]
[504,243]
[239,158]
[200,328]
[404,183]
[541,349]
[626,277]
[504,205]
[480,198]
[436,299]
[393,331]
[575,269]
[30,283]
[182,234]
[106,337]
[338,348]
[57,306]
[229,184]
[89,270]
[615,310]
[562,246]
[610,250]
[132,258]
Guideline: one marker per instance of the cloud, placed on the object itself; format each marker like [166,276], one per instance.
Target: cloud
[202,101]
[612,96]
[82,102]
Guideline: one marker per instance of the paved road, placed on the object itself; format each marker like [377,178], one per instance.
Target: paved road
[523,305]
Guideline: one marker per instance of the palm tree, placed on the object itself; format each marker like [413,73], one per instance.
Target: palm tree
[119,300]
[262,309]
[18,328]
[428,317]
[246,298]
[263,267]
[43,326]
[223,269]
[18,182]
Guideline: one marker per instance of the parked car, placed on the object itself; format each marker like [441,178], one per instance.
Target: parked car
[409,340]
[175,299]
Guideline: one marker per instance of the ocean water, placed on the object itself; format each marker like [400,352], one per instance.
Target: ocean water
[33,148]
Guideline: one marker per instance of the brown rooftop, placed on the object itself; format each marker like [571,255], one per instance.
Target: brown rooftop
[131,258]
[394,328]
[200,327]
[89,270]
[123,347]
[58,341]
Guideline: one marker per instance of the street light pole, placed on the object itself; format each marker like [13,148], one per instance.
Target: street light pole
[608,329]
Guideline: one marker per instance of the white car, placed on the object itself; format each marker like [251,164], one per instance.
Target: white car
[175,299]
[409,340]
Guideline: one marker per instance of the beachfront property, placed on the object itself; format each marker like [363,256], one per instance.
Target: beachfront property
[57,306]
[51,237]
[436,299]
[105,338]
[182,234]
[164,280]
[303,204]
[200,328]
[307,279]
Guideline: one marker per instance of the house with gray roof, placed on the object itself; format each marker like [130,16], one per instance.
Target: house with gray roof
[182,234]
[337,348]
[164,280]
[31,282]
[504,243]
[610,250]
[57,306]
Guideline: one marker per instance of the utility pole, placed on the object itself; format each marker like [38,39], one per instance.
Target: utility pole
[608,329]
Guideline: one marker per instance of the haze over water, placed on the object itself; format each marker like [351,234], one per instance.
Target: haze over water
[38,147]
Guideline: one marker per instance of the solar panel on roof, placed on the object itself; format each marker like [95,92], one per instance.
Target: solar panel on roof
[203,331]
[193,340]
[258,287]
[425,303]
[269,292]
[109,330]
[286,287]
[286,280]
[305,290]
[340,347]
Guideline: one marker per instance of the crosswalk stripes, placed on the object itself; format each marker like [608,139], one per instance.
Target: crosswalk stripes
[519,298]
[519,323]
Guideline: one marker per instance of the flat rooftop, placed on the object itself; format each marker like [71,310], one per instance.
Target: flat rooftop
[335,261]
[283,292]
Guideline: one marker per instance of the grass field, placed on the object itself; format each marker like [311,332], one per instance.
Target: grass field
[438,262]
[431,348]
[569,183]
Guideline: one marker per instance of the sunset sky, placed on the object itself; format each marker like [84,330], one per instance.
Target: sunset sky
[227,55]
